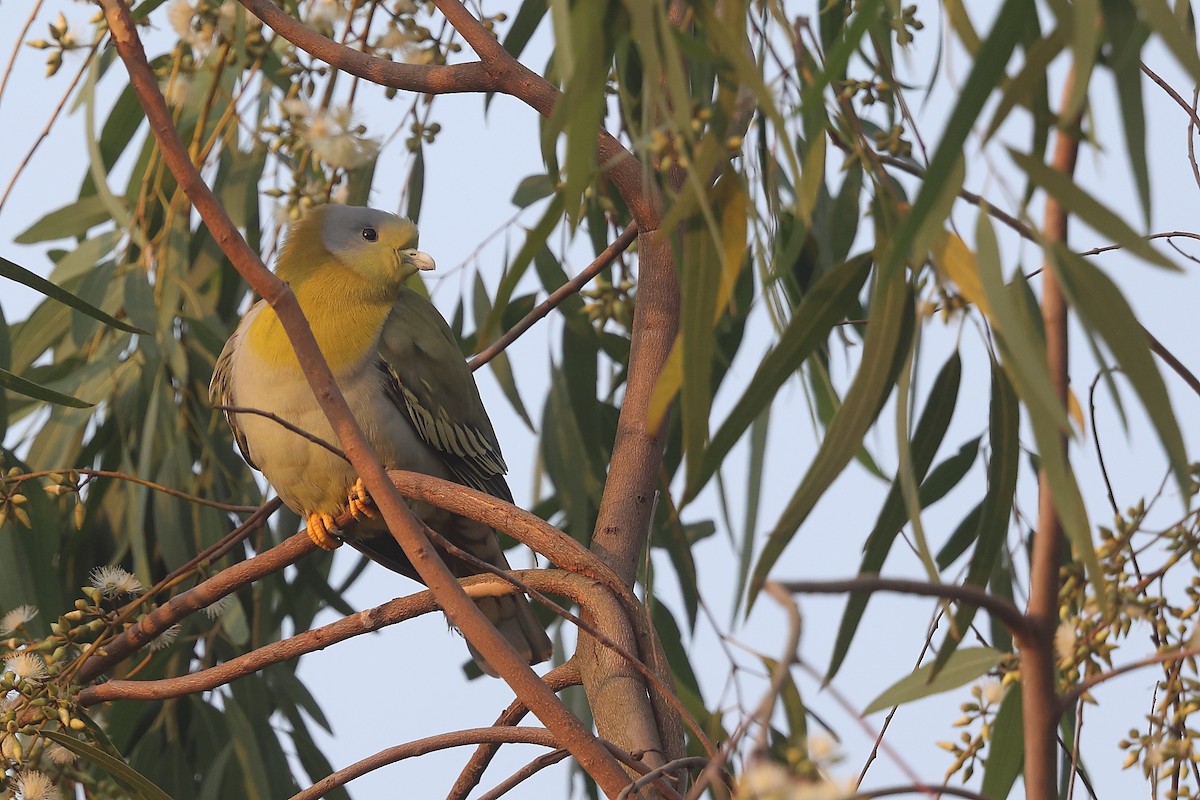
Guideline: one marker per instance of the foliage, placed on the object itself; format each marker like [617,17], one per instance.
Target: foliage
[777,156]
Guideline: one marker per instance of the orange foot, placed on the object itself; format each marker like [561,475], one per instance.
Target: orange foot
[321,529]
[359,502]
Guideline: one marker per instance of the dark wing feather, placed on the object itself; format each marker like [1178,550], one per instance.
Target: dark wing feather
[430,380]
[220,388]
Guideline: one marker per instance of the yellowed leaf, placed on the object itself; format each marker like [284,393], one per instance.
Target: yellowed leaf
[667,387]
[955,262]
[733,246]
[1075,412]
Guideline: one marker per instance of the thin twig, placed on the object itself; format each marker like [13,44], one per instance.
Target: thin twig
[420,747]
[1088,684]
[124,476]
[524,773]
[998,607]
[296,429]
[569,288]
[687,762]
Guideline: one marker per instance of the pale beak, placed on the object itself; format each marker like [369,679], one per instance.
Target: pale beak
[417,259]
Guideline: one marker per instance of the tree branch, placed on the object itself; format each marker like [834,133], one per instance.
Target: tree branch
[557,679]
[420,747]
[1004,611]
[569,288]
[424,78]
[1081,688]
[524,773]
[1039,698]
[592,757]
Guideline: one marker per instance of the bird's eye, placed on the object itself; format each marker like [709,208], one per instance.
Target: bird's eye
[369,234]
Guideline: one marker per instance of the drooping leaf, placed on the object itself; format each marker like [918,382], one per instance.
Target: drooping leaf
[964,666]
[15,272]
[1006,746]
[892,320]
[813,319]
[928,436]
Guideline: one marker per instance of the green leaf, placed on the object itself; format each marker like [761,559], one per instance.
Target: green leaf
[1127,34]
[1180,39]
[416,185]
[1004,435]
[16,272]
[892,321]
[987,69]
[926,439]
[822,307]
[528,17]
[1089,209]
[1105,312]
[533,188]
[129,778]
[75,219]
[964,666]
[1006,747]
[38,392]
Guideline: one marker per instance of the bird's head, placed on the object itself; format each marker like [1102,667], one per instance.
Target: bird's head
[378,246]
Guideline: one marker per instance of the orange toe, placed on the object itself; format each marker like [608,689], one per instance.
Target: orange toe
[320,531]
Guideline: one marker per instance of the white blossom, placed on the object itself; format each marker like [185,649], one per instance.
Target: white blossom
[114,581]
[166,638]
[26,666]
[34,785]
[337,141]
[1064,641]
[324,14]
[17,617]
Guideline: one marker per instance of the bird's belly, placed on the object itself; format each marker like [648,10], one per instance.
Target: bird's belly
[308,477]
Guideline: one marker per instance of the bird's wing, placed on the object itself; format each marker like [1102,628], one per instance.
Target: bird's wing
[432,383]
[220,388]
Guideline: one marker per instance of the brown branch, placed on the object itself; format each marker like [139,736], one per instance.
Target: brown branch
[557,679]
[569,288]
[125,476]
[427,79]
[592,757]
[998,607]
[1174,95]
[1095,251]
[524,773]
[656,774]
[420,747]
[1035,644]
[1081,688]
[200,596]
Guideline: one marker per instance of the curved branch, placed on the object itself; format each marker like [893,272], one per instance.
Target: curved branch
[427,79]
[1004,611]
[659,772]
[420,747]
[592,757]
[199,596]
[557,679]
[569,288]
[524,773]
[1071,697]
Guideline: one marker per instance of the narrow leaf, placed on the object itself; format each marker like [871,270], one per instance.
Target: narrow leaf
[964,667]
[892,320]
[121,772]
[38,392]
[16,272]
[1006,747]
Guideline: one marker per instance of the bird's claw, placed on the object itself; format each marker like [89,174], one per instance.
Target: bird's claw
[321,529]
[359,502]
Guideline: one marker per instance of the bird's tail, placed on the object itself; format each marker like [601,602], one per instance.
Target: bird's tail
[511,614]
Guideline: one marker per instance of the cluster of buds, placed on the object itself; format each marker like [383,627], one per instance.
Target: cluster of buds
[608,302]
[61,40]
[12,499]
[981,712]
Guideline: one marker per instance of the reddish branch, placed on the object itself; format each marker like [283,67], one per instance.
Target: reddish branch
[1039,698]
[558,679]
[592,757]
[1004,611]
[569,288]
[200,596]
[420,747]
